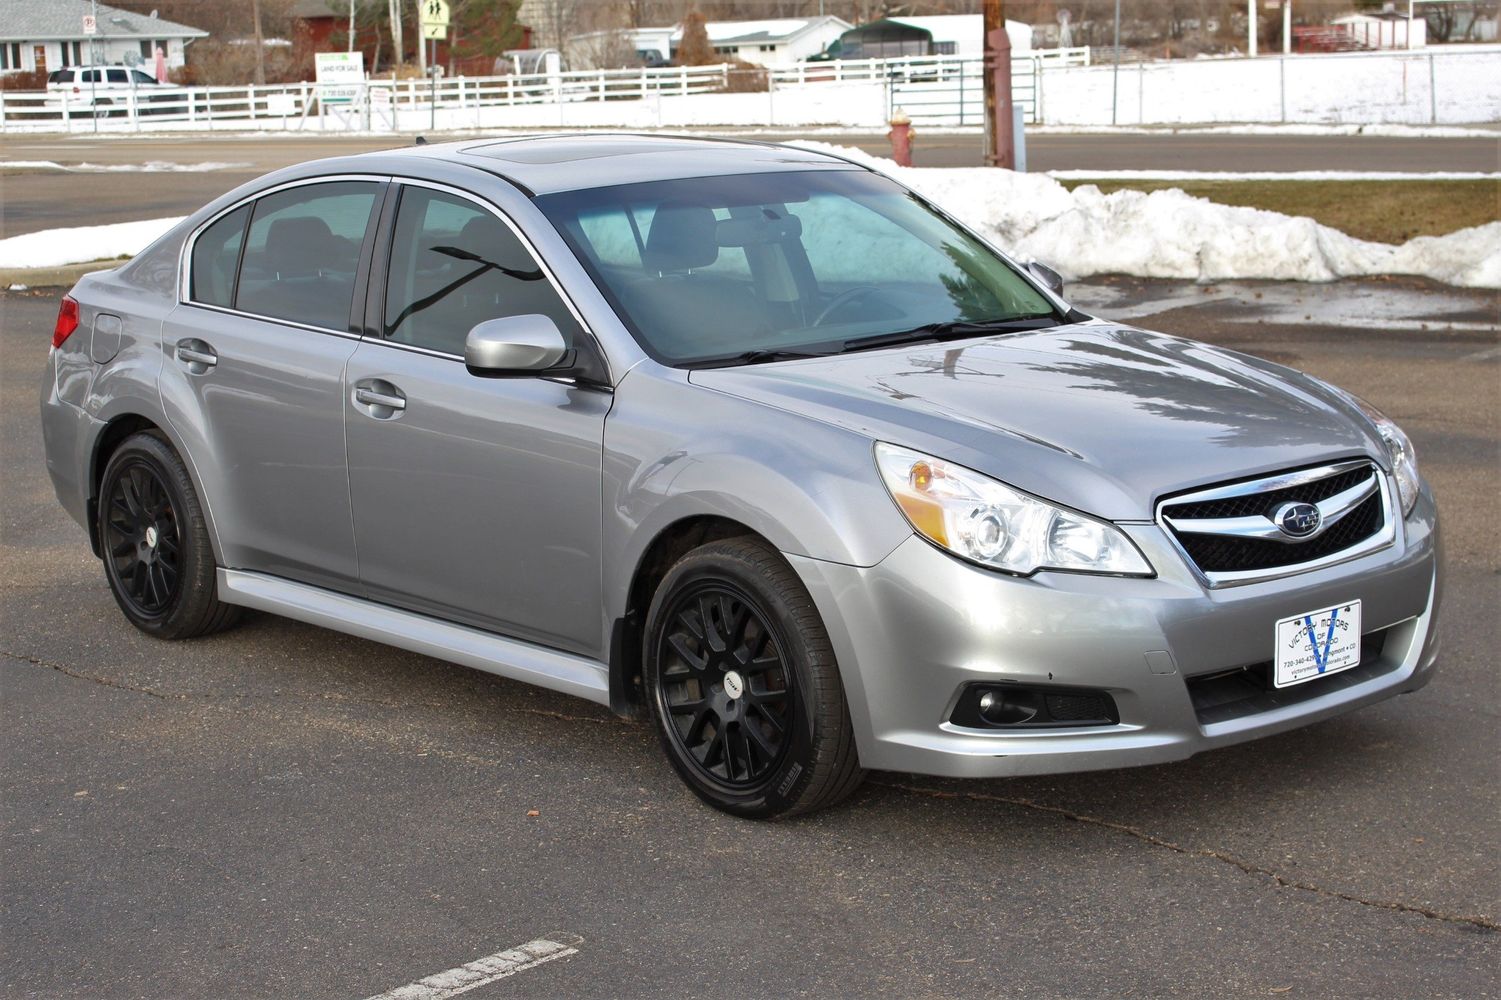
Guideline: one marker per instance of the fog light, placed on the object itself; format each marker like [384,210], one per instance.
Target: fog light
[1007,708]
[984,705]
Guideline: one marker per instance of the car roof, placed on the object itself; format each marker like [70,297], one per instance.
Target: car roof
[549,163]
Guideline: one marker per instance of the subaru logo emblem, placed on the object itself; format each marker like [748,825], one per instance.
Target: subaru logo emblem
[1298,520]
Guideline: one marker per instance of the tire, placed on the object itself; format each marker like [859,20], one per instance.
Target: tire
[155,544]
[775,738]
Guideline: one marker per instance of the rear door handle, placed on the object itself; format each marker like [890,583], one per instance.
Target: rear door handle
[198,356]
[383,398]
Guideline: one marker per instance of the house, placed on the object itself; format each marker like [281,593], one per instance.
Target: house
[763,43]
[939,35]
[1383,29]
[44,36]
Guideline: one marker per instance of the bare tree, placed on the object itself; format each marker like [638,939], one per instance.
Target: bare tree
[694,49]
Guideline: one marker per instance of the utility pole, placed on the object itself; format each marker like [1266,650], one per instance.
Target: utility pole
[1251,28]
[1000,140]
[1287,27]
[351,25]
[260,45]
[1115,71]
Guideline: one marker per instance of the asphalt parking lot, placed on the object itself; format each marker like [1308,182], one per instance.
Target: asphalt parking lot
[283,811]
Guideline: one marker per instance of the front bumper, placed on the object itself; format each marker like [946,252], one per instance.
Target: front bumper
[911,631]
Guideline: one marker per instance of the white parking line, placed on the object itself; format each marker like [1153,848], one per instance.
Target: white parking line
[483,971]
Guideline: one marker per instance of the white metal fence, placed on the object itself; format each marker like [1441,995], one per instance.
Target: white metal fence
[391,105]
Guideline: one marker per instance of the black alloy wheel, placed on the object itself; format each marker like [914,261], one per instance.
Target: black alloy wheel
[142,541]
[743,685]
[154,539]
[725,685]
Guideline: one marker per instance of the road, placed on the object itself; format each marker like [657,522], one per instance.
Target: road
[32,200]
[281,811]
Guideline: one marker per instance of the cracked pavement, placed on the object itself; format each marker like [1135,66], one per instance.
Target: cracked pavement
[281,811]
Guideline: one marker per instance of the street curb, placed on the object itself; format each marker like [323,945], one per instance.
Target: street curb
[49,277]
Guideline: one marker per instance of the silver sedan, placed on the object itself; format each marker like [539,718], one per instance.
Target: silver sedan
[749,438]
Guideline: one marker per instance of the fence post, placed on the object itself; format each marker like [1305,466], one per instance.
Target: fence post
[961,97]
[1432,92]
[250,92]
[1141,93]
[1282,83]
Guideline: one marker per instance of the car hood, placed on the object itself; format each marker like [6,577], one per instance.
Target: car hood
[1103,418]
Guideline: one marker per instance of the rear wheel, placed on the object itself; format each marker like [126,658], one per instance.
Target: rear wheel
[157,556]
[743,686]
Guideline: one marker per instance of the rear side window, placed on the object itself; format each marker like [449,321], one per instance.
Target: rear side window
[216,254]
[303,250]
[454,264]
[61,76]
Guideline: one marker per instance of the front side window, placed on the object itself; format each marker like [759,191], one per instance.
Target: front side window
[116,75]
[455,264]
[816,262]
[216,256]
[303,250]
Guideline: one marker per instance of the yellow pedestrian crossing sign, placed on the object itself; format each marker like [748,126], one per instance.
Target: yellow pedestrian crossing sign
[434,12]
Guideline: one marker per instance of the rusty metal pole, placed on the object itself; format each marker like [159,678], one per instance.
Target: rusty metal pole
[1000,142]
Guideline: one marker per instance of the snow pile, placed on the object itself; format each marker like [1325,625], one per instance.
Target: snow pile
[1168,234]
[149,167]
[55,247]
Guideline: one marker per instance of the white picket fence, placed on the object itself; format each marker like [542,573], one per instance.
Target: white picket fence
[393,105]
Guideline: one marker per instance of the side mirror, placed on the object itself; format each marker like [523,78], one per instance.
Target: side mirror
[1049,277]
[514,346]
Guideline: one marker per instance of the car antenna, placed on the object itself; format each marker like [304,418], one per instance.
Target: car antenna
[421,140]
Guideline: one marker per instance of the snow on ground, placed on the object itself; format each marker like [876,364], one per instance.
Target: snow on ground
[149,167]
[1289,128]
[1267,175]
[79,244]
[1169,234]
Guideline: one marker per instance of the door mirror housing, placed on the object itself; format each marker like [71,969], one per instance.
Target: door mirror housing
[515,346]
[1049,277]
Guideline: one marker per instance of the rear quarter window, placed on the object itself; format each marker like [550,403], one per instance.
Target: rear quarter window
[216,255]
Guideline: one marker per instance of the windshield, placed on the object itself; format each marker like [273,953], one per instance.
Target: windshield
[749,268]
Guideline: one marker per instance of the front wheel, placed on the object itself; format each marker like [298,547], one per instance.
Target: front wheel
[155,543]
[743,685]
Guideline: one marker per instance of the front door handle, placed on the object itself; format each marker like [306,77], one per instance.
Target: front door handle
[198,356]
[383,398]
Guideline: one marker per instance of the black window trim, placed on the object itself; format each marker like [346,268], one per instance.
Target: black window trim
[352,330]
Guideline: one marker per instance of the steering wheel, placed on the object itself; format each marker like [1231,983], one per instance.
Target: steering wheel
[843,299]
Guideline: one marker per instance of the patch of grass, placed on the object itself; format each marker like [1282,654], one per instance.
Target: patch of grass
[1383,211]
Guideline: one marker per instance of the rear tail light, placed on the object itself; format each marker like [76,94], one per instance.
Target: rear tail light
[67,320]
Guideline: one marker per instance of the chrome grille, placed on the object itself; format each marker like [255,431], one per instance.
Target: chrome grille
[1230,533]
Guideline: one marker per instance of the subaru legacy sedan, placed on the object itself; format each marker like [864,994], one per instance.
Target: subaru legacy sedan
[747,438]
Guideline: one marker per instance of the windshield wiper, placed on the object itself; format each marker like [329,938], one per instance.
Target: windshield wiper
[756,358]
[951,330]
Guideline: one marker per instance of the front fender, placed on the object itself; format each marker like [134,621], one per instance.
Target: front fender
[674,450]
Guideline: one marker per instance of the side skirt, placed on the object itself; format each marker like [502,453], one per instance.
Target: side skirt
[521,661]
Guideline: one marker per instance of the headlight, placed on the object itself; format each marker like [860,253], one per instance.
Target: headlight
[979,519]
[1399,447]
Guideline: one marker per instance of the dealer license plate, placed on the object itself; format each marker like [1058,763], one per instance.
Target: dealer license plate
[1317,643]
